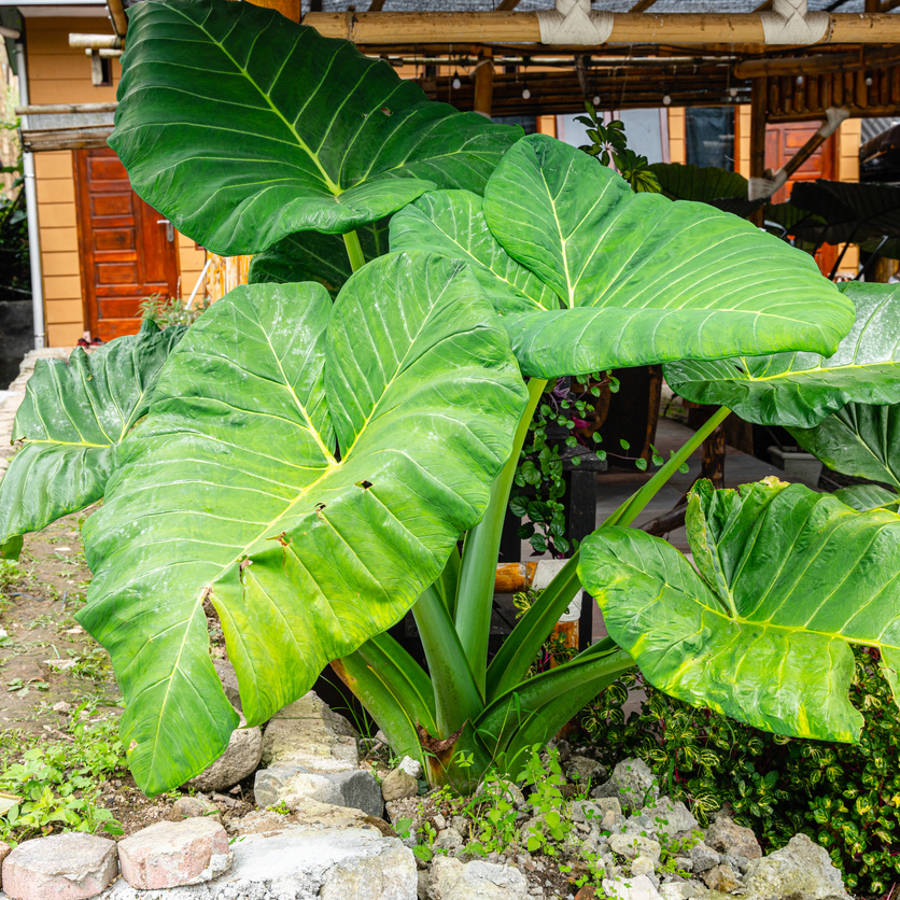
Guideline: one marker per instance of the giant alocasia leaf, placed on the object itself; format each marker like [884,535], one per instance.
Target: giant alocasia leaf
[73,417]
[799,389]
[589,275]
[312,256]
[244,127]
[786,580]
[305,472]
[860,440]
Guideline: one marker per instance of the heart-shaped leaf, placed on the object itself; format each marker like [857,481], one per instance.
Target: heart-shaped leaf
[868,496]
[800,389]
[73,417]
[786,580]
[860,440]
[311,256]
[243,142]
[308,484]
[589,275]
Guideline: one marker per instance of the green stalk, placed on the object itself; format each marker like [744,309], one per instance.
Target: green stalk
[354,250]
[511,663]
[457,699]
[475,593]
[632,507]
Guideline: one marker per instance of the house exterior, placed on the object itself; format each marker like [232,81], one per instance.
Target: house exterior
[102,249]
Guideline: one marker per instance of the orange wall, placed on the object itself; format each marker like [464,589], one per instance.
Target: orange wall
[59,74]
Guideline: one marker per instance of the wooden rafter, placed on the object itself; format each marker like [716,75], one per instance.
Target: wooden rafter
[506,5]
[641,6]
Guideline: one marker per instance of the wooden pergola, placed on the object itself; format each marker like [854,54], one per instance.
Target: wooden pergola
[789,59]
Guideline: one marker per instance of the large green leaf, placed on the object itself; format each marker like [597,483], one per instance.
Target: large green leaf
[73,417]
[708,184]
[311,256]
[800,389]
[859,439]
[244,127]
[589,275]
[308,482]
[786,580]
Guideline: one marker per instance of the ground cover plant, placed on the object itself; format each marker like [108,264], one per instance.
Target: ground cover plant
[305,466]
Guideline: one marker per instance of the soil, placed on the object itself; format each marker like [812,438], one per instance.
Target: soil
[50,667]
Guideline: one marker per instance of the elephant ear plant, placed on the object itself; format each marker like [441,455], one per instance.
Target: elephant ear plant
[307,469]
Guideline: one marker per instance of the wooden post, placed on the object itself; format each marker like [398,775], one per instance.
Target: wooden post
[757,136]
[484,85]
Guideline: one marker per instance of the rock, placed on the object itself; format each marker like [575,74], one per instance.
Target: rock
[726,835]
[397,785]
[240,759]
[225,671]
[477,880]
[171,854]
[670,816]
[5,850]
[62,708]
[703,857]
[503,788]
[265,821]
[721,878]
[308,732]
[300,863]
[188,807]
[632,845]
[642,865]
[401,809]
[411,766]
[449,839]
[640,887]
[738,863]
[68,866]
[585,811]
[583,769]
[802,868]
[632,782]
[356,788]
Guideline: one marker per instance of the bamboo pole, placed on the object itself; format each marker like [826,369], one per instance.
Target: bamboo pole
[758,136]
[391,28]
[820,63]
[484,86]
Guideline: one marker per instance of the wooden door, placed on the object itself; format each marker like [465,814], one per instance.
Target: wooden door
[782,142]
[127,254]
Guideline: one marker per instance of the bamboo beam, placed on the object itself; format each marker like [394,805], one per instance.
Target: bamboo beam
[687,29]
[888,5]
[641,6]
[506,5]
[118,17]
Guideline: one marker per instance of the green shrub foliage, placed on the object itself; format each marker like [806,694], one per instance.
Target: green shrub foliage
[844,796]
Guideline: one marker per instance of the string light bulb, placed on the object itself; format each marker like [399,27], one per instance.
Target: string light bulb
[456,84]
[526,94]
[596,100]
[667,100]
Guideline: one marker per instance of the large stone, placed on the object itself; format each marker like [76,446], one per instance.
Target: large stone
[632,782]
[721,878]
[5,850]
[171,854]
[670,817]
[477,880]
[801,870]
[188,807]
[302,863]
[727,836]
[703,857]
[292,787]
[631,845]
[306,732]
[69,866]
[638,887]
[398,784]
[240,759]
